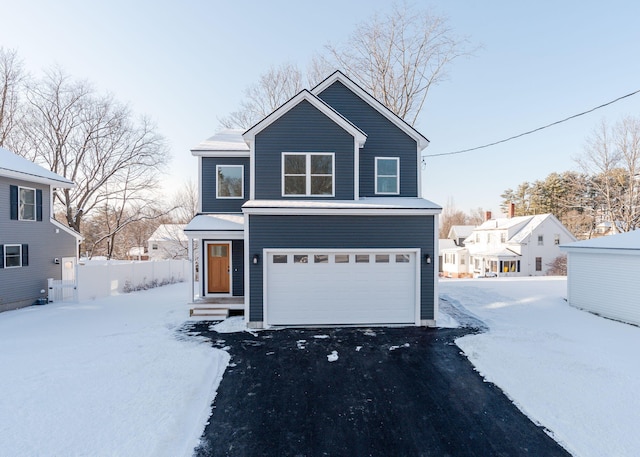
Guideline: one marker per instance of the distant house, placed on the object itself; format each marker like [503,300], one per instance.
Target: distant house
[168,241]
[33,245]
[514,246]
[602,276]
[313,216]
[454,258]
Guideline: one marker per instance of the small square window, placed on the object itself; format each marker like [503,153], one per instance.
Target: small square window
[342,258]
[12,255]
[280,258]
[300,258]
[229,181]
[402,258]
[320,258]
[362,258]
[382,258]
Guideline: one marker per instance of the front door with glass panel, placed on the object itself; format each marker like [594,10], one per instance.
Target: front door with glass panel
[218,268]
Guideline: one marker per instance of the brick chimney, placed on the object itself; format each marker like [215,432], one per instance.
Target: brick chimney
[512,210]
[487,215]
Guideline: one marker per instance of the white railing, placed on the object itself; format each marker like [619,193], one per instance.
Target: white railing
[62,290]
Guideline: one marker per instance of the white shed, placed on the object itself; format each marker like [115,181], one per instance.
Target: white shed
[603,276]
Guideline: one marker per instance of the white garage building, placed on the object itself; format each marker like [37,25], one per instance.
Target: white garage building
[603,276]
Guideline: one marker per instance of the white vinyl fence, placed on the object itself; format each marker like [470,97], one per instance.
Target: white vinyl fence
[102,279]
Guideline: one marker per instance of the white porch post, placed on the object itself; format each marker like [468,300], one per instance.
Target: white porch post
[191,271]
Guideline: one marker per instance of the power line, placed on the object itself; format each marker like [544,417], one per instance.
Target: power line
[532,131]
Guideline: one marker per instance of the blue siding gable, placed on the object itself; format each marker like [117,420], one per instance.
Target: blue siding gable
[211,204]
[384,139]
[302,129]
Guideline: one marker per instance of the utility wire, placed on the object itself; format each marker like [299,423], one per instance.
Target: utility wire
[531,131]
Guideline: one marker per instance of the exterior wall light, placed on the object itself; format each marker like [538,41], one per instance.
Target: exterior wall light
[256,259]
[427,258]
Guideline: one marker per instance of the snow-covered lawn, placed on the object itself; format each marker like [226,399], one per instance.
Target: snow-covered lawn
[113,377]
[109,377]
[576,374]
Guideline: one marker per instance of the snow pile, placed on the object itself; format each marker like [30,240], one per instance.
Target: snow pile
[333,356]
[105,377]
[572,372]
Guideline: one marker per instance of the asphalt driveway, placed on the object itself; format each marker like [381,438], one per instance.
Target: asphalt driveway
[361,392]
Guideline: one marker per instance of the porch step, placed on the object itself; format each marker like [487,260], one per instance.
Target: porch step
[216,313]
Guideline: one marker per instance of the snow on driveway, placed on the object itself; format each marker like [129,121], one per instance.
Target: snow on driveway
[576,374]
[105,377]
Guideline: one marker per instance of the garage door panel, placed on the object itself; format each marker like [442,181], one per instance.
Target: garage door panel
[341,293]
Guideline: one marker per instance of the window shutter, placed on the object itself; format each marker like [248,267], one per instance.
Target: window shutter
[25,255]
[1,256]
[13,202]
[38,204]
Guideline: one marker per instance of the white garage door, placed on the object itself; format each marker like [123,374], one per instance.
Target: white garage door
[340,287]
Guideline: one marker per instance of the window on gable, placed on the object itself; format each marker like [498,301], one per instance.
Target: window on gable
[540,240]
[229,181]
[308,174]
[387,171]
[556,239]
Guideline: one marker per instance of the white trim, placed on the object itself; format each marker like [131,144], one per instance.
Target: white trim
[422,141]
[435,259]
[267,251]
[62,183]
[199,184]
[397,175]
[225,154]
[247,272]
[359,136]
[356,172]
[295,211]
[308,174]
[213,234]
[4,257]
[69,230]
[252,170]
[205,270]
[419,169]
[218,166]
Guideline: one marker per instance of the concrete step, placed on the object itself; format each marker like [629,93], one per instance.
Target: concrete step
[206,311]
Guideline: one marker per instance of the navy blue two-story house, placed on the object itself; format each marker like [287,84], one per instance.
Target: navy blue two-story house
[313,216]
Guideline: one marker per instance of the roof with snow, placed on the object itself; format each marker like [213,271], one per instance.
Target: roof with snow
[365,203]
[622,241]
[169,232]
[215,222]
[461,231]
[17,167]
[228,141]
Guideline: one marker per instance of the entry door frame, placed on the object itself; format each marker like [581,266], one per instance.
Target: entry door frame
[205,276]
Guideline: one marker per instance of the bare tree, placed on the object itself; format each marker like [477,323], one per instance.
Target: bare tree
[11,77]
[185,202]
[92,140]
[612,159]
[398,57]
[274,88]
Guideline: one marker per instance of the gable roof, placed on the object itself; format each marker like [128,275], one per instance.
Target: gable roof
[14,166]
[422,141]
[319,104]
[461,231]
[523,226]
[622,241]
[226,142]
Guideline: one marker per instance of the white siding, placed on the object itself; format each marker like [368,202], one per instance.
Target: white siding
[605,284]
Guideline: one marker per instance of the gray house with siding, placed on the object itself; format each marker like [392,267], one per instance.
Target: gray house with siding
[313,216]
[33,246]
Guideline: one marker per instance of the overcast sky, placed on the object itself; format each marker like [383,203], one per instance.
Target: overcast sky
[186,64]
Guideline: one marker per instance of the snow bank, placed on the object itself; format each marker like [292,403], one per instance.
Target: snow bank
[572,372]
[105,377]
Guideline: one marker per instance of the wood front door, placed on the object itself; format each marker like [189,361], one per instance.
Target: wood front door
[218,273]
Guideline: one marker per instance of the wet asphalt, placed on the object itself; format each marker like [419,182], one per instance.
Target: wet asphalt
[361,392]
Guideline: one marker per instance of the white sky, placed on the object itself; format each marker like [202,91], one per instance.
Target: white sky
[186,65]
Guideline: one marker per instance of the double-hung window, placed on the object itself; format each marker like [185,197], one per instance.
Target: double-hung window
[26,204]
[229,181]
[308,174]
[387,175]
[14,255]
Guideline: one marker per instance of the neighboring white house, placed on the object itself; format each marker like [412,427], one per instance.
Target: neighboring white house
[168,242]
[602,276]
[454,258]
[515,246]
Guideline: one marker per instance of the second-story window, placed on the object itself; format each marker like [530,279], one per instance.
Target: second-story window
[387,175]
[229,181]
[27,204]
[308,174]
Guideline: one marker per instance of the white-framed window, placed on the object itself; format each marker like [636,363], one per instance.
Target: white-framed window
[307,174]
[12,255]
[387,171]
[556,239]
[230,181]
[26,204]
[540,241]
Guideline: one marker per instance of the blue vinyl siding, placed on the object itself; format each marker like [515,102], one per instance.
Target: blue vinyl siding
[211,204]
[349,232]
[41,241]
[384,139]
[302,129]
